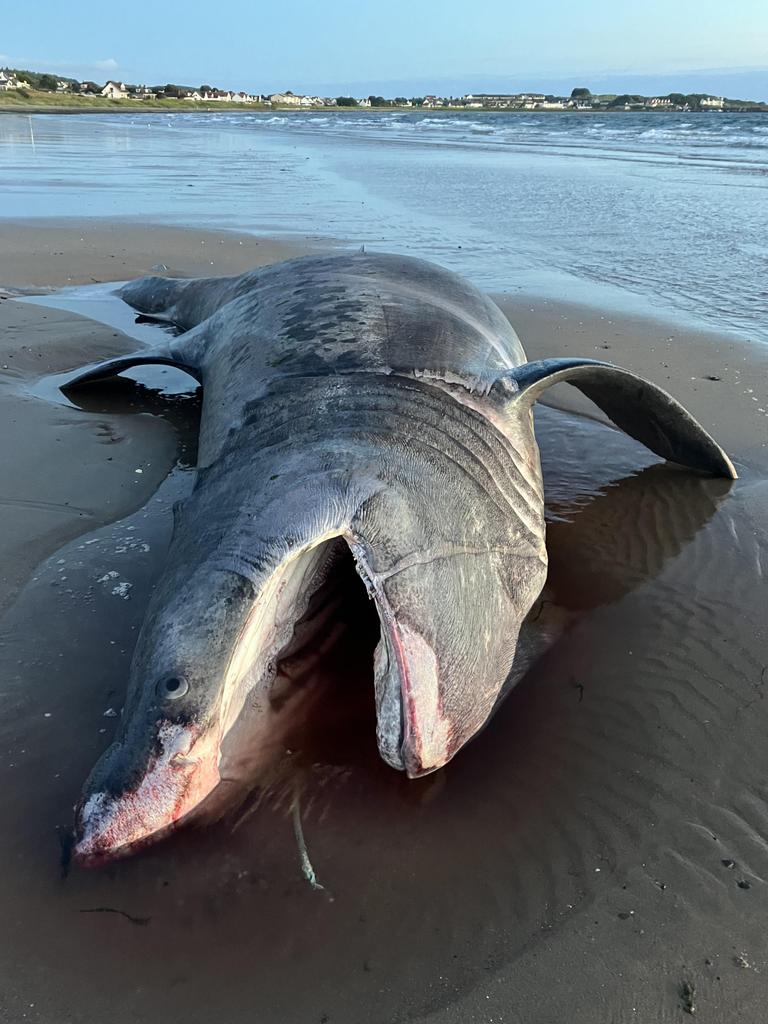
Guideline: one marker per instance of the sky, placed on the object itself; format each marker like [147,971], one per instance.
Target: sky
[399,46]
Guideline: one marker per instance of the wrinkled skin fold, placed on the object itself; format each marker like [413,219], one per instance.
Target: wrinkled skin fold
[361,404]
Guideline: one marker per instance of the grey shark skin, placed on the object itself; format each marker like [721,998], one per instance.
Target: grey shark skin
[367,400]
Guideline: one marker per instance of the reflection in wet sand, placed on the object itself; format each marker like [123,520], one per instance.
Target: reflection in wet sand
[577,803]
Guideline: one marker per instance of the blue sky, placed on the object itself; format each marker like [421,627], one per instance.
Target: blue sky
[398,45]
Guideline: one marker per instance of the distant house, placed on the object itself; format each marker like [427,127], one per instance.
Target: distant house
[115,91]
[285,99]
[9,82]
[712,103]
[90,89]
[140,92]
[503,101]
[289,99]
[182,92]
[476,101]
[221,96]
[658,101]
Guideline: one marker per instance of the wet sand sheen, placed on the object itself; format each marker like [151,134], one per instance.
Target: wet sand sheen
[602,845]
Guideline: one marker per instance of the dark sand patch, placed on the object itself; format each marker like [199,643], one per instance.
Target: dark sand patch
[581,861]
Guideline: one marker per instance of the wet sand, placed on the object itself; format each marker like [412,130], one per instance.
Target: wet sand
[600,853]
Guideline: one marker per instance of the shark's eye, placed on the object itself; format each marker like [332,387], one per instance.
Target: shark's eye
[172,687]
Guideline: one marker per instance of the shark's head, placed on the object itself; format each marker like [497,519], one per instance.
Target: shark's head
[164,763]
[229,653]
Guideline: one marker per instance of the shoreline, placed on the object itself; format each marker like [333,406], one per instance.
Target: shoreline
[31,237]
[606,829]
[127,107]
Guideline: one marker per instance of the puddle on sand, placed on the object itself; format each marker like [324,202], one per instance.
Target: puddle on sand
[432,886]
[101,303]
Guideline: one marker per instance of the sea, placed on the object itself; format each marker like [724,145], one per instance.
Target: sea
[659,213]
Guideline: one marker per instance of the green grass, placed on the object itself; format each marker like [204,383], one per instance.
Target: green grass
[34,100]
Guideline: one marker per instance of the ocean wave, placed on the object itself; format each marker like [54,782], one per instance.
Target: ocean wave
[442,122]
[727,136]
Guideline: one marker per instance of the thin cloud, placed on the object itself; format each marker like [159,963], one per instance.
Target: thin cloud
[35,63]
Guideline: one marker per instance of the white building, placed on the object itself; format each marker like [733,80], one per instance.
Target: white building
[488,99]
[9,81]
[140,92]
[712,103]
[285,99]
[115,91]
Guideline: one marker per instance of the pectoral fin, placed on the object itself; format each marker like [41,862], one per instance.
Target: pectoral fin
[641,409]
[112,367]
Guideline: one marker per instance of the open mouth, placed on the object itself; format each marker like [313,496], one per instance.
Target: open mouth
[301,680]
[320,642]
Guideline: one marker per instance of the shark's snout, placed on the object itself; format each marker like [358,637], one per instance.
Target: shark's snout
[119,814]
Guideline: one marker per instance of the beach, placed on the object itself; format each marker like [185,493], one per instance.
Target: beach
[598,853]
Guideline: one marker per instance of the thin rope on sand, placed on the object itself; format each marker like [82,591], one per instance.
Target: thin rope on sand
[306,864]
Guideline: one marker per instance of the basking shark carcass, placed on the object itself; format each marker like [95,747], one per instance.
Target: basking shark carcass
[364,403]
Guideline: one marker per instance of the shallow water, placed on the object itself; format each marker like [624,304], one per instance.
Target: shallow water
[606,792]
[654,212]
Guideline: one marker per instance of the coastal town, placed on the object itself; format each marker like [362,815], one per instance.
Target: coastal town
[18,86]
